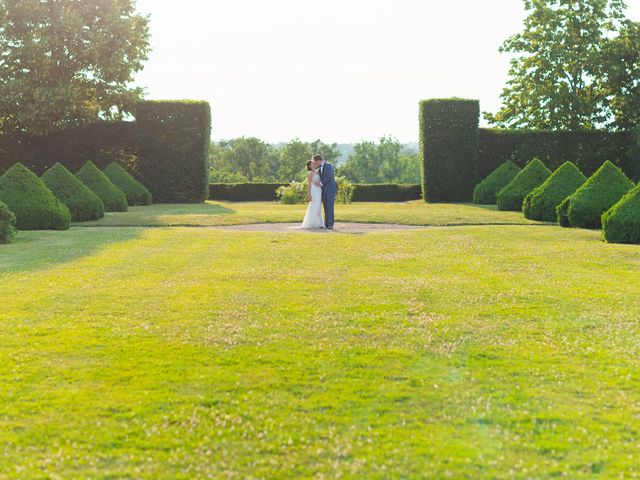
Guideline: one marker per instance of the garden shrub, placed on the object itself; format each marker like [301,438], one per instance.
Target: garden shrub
[7,224]
[449,148]
[137,194]
[173,140]
[561,212]
[485,192]
[244,192]
[345,190]
[113,198]
[34,205]
[295,192]
[541,202]
[597,195]
[386,192]
[80,200]
[512,195]
[621,223]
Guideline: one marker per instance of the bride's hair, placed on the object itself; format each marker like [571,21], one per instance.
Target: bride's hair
[309,165]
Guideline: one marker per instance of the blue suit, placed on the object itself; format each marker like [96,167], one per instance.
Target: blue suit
[329,190]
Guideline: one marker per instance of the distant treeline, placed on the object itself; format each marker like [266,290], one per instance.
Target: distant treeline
[253,160]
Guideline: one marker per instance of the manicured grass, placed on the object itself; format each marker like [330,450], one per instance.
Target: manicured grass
[467,352]
[226,213]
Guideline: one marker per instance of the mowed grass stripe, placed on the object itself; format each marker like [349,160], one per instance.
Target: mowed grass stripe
[478,351]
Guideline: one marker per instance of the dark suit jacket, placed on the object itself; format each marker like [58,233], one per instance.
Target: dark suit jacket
[328,178]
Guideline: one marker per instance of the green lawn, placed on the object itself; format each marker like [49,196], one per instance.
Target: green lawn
[470,352]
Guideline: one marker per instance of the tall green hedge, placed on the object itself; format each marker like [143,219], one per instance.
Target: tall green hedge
[621,223]
[597,195]
[586,149]
[34,205]
[449,148]
[173,139]
[113,198]
[386,192]
[531,176]
[80,200]
[137,194]
[541,202]
[7,224]
[485,192]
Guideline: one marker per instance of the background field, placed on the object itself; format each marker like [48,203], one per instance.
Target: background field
[471,351]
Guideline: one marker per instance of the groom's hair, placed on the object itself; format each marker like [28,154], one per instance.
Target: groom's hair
[318,158]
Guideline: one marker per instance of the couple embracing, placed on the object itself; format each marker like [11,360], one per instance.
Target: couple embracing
[322,190]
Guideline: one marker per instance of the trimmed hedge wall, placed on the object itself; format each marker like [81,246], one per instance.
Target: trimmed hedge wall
[83,204]
[587,150]
[486,191]
[449,148]
[101,142]
[173,140]
[621,224]
[513,194]
[33,204]
[541,203]
[7,224]
[266,192]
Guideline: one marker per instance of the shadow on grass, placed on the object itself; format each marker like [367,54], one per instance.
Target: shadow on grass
[33,250]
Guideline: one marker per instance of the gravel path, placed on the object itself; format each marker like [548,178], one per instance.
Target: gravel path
[341,227]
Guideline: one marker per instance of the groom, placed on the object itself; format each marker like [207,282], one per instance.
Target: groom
[329,188]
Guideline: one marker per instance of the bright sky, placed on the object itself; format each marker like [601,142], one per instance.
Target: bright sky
[339,70]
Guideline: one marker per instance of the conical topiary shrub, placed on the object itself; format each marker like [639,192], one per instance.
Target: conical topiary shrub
[113,198]
[621,223]
[597,195]
[561,213]
[82,202]
[531,176]
[485,192]
[137,194]
[7,224]
[34,205]
[541,202]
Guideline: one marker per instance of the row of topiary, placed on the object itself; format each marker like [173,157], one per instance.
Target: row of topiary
[607,199]
[59,197]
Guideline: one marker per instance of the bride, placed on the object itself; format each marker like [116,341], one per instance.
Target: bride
[313,217]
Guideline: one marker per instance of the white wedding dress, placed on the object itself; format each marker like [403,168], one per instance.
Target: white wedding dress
[313,217]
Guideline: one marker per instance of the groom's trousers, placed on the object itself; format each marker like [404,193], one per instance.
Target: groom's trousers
[328,201]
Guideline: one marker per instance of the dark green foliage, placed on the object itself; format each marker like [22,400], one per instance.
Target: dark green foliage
[262,192]
[597,195]
[485,192]
[386,192]
[7,224]
[173,140]
[33,204]
[586,149]
[541,202]
[103,142]
[449,148]
[82,202]
[113,198]
[561,213]
[531,176]
[621,223]
[137,194]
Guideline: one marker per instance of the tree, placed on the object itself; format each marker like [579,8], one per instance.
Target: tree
[67,62]
[567,73]
[377,163]
[293,157]
[250,158]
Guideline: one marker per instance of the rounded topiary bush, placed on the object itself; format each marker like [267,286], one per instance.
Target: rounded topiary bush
[82,203]
[541,202]
[597,195]
[531,176]
[621,223]
[112,197]
[485,192]
[137,194]
[7,224]
[34,205]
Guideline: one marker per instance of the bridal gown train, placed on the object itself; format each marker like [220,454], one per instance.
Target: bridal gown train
[313,217]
